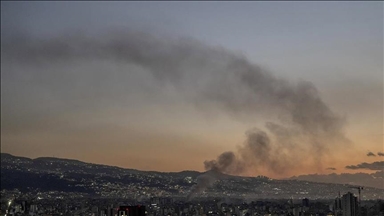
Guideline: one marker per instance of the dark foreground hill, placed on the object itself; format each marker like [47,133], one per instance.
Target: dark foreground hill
[72,176]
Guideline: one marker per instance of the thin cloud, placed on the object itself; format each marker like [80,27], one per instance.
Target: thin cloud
[371,154]
[331,168]
[380,154]
[378,165]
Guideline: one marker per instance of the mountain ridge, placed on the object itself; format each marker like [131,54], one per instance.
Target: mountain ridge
[83,162]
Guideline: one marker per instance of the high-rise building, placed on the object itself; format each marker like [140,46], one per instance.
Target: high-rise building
[131,211]
[349,204]
[337,208]
[305,202]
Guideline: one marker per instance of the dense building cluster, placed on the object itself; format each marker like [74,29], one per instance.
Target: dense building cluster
[52,186]
[16,203]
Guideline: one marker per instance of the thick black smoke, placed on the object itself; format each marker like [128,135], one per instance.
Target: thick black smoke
[305,128]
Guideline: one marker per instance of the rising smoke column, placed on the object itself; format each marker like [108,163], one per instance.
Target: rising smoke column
[213,74]
[204,181]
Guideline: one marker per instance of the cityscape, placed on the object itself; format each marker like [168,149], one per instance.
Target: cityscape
[53,186]
[208,206]
[195,108]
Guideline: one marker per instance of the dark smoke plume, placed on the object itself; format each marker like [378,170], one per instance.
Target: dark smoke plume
[305,125]
[204,181]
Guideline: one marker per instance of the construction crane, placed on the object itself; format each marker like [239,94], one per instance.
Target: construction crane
[359,188]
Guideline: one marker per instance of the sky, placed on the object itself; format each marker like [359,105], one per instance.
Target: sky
[287,88]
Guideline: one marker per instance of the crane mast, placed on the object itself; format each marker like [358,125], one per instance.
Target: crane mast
[359,189]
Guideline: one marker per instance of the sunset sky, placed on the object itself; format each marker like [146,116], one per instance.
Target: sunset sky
[68,90]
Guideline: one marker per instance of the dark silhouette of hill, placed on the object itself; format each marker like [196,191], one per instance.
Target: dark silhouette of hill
[67,175]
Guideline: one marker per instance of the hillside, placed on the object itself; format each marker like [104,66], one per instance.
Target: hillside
[47,174]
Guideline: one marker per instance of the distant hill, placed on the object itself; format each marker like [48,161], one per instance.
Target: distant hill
[73,176]
[362,179]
